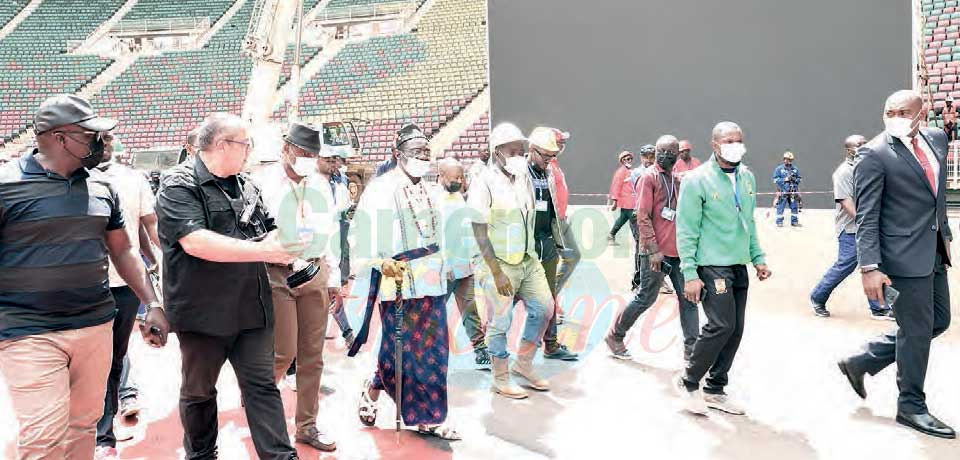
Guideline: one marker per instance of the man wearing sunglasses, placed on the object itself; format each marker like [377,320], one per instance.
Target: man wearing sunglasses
[553,242]
[59,223]
[658,191]
[216,236]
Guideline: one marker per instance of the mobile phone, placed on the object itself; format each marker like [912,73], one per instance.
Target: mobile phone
[703,294]
[665,268]
[890,295]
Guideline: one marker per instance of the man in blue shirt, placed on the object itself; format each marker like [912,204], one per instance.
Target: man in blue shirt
[787,178]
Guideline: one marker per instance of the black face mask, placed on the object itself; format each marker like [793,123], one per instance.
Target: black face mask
[95,155]
[666,160]
[453,187]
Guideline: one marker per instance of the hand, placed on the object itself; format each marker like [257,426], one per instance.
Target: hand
[691,290]
[504,287]
[613,206]
[281,252]
[873,283]
[155,318]
[393,268]
[763,272]
[655,260]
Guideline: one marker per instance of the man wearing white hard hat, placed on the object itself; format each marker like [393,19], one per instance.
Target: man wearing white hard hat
[555,245]
[503,224]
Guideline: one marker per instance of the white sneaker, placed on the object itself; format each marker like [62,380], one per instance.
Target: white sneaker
[723,403]
[692,400]
[105,453]
[290,381]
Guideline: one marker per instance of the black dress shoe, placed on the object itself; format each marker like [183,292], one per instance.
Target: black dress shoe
[926,424]
[855,378]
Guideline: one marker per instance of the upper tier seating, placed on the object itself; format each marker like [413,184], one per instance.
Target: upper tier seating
[170,9]
[473,140]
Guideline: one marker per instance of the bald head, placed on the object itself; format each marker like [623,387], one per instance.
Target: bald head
[904,98]
[668,143]
[902,113]
[854,141]
[451,174]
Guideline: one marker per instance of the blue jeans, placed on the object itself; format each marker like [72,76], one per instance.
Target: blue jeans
[782,203]
[845,265]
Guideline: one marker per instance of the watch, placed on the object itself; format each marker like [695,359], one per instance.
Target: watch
[869,268]
[154,304]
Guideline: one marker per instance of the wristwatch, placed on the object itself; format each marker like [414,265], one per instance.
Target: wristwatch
[869,268]
[150,306]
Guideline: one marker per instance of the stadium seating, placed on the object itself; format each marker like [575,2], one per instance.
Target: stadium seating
[9,9]
[167,9]
[34,63]
[472,140]
[159,99]
[426,76]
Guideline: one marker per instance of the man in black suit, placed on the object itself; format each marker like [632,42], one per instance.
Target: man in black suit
[904,242]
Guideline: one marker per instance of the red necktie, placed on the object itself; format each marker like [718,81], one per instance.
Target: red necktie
[925,164]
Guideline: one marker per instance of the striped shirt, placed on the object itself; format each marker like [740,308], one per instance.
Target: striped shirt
[53,256]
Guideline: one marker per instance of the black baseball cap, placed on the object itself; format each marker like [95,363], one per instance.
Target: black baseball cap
[69,109]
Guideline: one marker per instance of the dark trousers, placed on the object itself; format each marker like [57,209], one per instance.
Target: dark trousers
[127,305]
[626,215]
[251,354]
[923,312]
[725,304]
[650,283]
[464,291]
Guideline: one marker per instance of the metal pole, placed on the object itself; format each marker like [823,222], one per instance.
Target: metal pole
[294,114]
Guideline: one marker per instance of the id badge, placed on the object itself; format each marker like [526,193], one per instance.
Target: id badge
[541,205]
[668,214]
[720,285]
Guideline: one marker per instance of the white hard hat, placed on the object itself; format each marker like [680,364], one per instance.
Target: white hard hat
[505,133]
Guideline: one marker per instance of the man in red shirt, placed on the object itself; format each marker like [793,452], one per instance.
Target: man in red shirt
[658,190]
[685,162]
[622,197]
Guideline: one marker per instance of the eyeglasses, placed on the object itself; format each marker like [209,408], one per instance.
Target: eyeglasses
[544,155]
[248,144]
[91,134]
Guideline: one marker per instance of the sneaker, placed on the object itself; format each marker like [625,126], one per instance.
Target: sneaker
[796,224]
[482,358]
[779,224]
[883,315]
[105,453]
[722,403]
[617,349]
[820,310]
[129,407]
[290,381]
[122,432]
[611,240]
[692,400]
[560,352]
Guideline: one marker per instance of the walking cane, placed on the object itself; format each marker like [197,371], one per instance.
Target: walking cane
[398,351]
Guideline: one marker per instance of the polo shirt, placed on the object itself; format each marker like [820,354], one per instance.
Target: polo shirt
[53,256]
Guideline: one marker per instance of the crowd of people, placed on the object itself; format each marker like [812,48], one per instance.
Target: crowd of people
[253,264]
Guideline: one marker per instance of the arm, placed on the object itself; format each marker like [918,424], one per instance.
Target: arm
[645,205]
[756,252]
[689,215]
[778,178]
[615,185]
[868,176]
[155,327]
[146,248]
[848,207]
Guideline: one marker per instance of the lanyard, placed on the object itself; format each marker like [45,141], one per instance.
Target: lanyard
[670,188]
[736,191]
[300,198]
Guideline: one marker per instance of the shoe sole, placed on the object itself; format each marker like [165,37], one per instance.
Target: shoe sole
[562,358]
[907,424]
[725,410]
[508,395]
[130,413]
[530,384]
[843,370]
[621,357]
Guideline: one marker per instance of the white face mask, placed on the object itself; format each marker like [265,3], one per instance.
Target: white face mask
[516,165]
[343,170]
[304,166]
[899,127]
[416,167]
[733,153]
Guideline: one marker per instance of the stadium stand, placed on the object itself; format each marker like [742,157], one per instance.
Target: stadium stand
[426,76]
[472,140]
[9,9]
[941,61]
[167,9]
[34,62]
[161,98]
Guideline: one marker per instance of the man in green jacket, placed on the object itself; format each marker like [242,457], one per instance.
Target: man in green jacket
[716,239]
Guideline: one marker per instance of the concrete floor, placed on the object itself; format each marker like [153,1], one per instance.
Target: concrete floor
[799,406]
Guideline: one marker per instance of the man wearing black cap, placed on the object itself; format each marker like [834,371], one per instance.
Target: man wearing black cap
[216,235]
[298,193]
[58,224]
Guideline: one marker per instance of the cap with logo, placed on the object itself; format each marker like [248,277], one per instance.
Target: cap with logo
[69,109]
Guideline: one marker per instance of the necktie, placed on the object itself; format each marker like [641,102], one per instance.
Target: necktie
[925,164]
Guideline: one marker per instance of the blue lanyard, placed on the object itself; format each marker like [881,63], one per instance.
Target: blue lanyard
[736,191]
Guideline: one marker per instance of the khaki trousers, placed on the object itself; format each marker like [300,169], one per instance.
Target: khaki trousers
[300,329]
[57,381]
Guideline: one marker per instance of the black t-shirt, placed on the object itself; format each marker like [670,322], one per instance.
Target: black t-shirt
[212,298]
[546,246]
